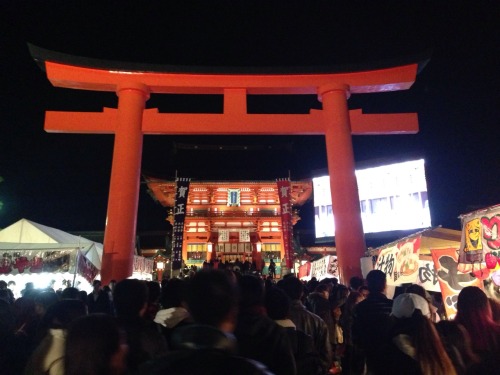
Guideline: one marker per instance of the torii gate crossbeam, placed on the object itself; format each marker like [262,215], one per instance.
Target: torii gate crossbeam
[130,121]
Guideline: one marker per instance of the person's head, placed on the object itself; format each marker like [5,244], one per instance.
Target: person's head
[472,304]
[407,304]
[251,292]
[364,291]
[323,289]
[82,296]
[3,284]
[474,313]
[95,346]
[355,282]
[29,290]
[70,293]
[63,312]
[419,290]
[341,294]
[293,287]
[376,281]
[154,290]
[172,294]
[97,285]
[44,300]
[212,299]
[130,298]
[353,299]
[277,304]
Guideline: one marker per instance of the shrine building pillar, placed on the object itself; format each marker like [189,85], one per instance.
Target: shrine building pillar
[349,235]
[121,220]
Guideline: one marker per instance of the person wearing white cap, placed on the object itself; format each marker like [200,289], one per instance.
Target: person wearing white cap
[405,304]
[415,347]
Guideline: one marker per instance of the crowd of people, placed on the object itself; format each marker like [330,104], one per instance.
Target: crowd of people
[227,322]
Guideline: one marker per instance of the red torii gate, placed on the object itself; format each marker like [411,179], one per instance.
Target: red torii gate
[131,120]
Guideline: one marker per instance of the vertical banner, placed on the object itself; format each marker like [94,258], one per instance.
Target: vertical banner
[450,279]
[244,235]
[286,219]
[480,244]
[223,235]
[181,194]
[427,275]
[85,268]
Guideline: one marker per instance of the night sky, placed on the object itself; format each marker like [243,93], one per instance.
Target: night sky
[62,180]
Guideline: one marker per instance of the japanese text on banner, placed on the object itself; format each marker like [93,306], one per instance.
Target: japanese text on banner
[286,219]
[181,194]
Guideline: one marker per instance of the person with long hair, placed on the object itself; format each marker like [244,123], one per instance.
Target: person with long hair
[456,341]
[415,346]
[475,314]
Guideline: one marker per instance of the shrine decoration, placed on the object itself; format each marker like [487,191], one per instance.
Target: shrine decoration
[181,195]
[286,219]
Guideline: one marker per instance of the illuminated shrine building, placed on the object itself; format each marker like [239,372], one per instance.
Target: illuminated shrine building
[231,220]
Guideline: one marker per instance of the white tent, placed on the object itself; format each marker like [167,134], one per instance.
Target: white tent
[28,235]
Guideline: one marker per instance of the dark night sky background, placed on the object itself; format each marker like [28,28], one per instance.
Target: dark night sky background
[62,180]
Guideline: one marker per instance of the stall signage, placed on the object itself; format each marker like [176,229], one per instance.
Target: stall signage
[427,276]
[400,262]
[480,244]
[35,261]
[325,267]
[304,270]
[142,264]
[450,279]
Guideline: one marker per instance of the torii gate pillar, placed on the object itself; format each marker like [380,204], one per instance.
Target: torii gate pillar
[121,220]
[349,235]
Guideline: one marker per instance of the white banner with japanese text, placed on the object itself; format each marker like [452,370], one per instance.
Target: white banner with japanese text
[244,235]
[400,262]
[223,235]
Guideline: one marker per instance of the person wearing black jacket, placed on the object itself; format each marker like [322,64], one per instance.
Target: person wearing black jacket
[372,322]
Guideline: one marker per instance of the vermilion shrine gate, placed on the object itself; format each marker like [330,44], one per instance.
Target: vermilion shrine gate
[131,120]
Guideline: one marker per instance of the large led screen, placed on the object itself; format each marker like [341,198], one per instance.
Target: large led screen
[392,197]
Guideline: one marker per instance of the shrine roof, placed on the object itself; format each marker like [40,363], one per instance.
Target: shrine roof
[163,191]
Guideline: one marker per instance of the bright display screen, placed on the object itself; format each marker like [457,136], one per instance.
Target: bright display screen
[392,197]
